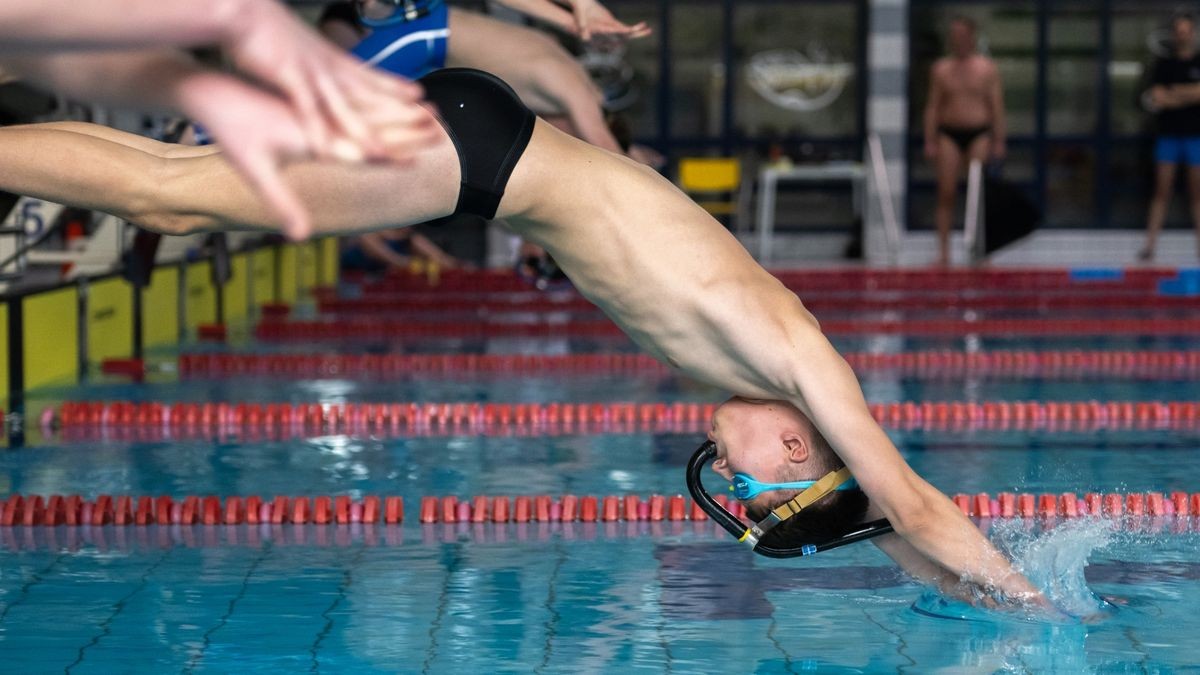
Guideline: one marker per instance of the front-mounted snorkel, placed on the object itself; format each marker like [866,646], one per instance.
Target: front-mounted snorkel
[406,10]
[751,535]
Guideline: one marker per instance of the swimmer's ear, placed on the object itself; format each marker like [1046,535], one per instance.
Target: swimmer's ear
[796,446]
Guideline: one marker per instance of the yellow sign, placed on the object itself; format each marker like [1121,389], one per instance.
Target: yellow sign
[160,308]
[51,337]
[199,296]
[109,320]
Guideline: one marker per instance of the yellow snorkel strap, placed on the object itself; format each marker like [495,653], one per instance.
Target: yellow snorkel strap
[829,483]
[819,489]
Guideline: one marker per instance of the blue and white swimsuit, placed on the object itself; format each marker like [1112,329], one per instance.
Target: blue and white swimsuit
[410,49]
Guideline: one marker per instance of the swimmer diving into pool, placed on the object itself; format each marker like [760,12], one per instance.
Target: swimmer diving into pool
[675,280]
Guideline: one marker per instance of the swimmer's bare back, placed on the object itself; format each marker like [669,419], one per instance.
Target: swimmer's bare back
[670,275]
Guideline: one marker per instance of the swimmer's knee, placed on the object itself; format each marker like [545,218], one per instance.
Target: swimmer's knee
[174,224]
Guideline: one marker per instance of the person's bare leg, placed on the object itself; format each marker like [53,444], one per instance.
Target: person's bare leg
[1164,183]
[149,186]
[947,167]
[147,145]
[1194,201]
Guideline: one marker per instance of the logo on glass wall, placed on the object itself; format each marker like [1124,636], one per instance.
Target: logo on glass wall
[798,80]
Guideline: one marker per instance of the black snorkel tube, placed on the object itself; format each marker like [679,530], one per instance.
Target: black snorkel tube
[708,452]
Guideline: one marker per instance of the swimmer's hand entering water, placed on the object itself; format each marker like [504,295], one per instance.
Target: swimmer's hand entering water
[1012,592]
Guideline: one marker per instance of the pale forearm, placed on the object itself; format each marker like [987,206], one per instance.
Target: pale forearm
[1182,95]
[53,25]
[544,10]
[150,79]
[564,82]
[425,246]
[376,248]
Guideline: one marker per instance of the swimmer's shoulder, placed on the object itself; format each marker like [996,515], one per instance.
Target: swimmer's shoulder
[986,65]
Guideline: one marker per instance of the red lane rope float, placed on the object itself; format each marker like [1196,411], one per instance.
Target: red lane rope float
[385,329]
[1041,302]
[843,279]
[141,510]
[939,363]
[152,421]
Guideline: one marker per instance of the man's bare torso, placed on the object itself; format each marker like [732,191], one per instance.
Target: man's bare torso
[966,86]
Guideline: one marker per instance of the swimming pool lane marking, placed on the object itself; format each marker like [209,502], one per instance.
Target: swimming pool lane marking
[901,647]
[33,580]
[118,608]
[199,655]
[551,623]
[343,588]
[455,559]
[787,657]
[1136,643]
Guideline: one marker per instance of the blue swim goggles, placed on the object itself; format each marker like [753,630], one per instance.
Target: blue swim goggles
[406,10]
[745,487]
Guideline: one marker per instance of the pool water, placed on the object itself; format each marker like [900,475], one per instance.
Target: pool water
[582,597]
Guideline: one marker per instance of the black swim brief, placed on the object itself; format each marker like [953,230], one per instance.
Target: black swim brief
[490,128]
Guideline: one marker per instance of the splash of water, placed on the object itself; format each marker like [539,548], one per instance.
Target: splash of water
[1054,559]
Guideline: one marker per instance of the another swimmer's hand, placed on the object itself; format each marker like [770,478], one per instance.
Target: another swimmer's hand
[999,150]
[648,156]
[1160,98]
[346,110]
[258,133]
[593,19]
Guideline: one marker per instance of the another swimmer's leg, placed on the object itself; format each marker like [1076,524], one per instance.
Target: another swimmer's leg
[948,159]
[1164,183]
[76,169]
[182,195]
[148,145]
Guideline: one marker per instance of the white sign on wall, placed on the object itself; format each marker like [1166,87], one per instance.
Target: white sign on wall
[803,81]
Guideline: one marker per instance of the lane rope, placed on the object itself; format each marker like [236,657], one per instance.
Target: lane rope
[392,330]
[157,420]
[440,303]
[928,364]
[125,510]
[838,279]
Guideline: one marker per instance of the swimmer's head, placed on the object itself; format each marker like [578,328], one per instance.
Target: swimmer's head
[339,23]
[773,442]
[382,13]
[1183,32]
[964,36]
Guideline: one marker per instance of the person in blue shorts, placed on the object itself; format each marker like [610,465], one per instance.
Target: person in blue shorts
[1174,97]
